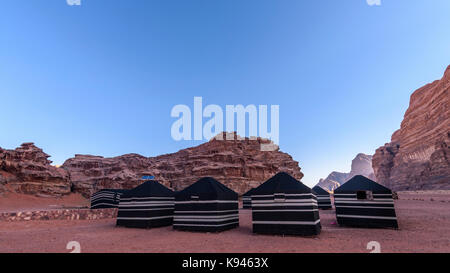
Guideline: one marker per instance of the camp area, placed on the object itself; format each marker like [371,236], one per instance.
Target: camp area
[423,216]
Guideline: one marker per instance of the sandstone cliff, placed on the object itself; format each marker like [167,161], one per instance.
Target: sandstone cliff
[418,155]
[239,164]
[361,165]
[28,170]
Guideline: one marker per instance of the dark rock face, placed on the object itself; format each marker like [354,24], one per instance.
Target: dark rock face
[239,164]
[361,165]
[417,158]
[28,170]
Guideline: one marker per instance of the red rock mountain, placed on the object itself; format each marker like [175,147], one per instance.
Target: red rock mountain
[239,164]
[361,165]
[27,170]
[418,156]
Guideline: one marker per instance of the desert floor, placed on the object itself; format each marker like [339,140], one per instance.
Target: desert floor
[13,202]
[424,219]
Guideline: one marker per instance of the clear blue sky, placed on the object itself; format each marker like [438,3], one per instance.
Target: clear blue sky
[102,78]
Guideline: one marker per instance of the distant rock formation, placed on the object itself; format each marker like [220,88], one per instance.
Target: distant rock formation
[333,181]
[361,165]
[239,164]
[28,170]
[418,156]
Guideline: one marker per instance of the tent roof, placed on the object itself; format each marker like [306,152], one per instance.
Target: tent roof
[149,188]
[281,183]
[207,188]
[249,192]
[320,190]
[361,183]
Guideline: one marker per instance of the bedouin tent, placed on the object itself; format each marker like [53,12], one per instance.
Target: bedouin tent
[207,205]
[323,197]
[284,205]
[364,203]
[148,205]
[107,198]
[247,199]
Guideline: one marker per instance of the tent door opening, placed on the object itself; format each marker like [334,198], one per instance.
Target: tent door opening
[364,195]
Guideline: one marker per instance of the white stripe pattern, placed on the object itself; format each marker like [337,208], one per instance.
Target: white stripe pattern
[363,202]
[150,203]
[206,225]
[284,210]
[205,219]
[103,204]
[287,222]
[134,209]
[278,194]
[151,198]
[144,218]
[366,216]
[364,207]
[208,202]
[286,201]
[206,211]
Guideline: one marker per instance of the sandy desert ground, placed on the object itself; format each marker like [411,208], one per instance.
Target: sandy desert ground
[424,219]
[13,202]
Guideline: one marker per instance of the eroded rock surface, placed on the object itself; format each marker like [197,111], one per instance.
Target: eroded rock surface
[417,158]
[239,164]
[361,165]
[28,170]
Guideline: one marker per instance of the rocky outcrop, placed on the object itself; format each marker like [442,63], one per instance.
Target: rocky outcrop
[89,174]
[417,158]
[333,181]
[361,165]
[28,170]
[239,164]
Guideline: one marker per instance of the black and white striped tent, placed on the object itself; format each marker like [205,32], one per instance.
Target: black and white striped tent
[207,205]
[323,197]
[107,198]
[364,203]
[247,199]
[148,205]
[284,205]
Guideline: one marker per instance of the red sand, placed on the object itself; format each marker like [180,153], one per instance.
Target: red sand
[14,202]
[424,227]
